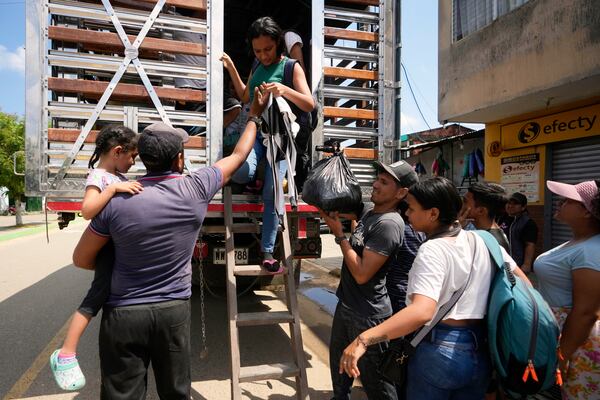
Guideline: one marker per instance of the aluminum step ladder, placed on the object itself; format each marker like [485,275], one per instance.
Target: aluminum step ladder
[240,374]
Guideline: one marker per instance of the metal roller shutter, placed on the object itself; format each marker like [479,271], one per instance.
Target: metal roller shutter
[572,162]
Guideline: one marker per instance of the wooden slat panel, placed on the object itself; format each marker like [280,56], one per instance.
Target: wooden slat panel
[365,154]
[363,2]
[108,39]
[147,5]
[123,90]
[199,5]
[350,73]
[100,49]
[78,157]
[338,33]
[354,113]
[357,153]
[71,135]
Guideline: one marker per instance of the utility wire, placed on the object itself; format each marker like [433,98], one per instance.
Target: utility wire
[422,96]
[413,96]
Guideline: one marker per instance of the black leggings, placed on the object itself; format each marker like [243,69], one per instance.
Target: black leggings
[100,288]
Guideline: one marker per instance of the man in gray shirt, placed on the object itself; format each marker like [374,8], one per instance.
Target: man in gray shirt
[369,254]
[147,316]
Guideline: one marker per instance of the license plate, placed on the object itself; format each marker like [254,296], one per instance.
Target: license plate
[241,256]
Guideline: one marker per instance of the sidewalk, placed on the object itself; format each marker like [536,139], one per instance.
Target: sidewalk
[8,221]
[32,223]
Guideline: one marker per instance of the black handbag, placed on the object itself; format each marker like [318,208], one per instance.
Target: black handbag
[393,366]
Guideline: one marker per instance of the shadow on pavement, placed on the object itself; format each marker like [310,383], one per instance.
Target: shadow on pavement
[32,317]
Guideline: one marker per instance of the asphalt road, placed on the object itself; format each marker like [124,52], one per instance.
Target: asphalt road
[40,289]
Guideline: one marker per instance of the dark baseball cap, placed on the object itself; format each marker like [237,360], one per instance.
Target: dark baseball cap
[518,198]
[401,171]
[160,141]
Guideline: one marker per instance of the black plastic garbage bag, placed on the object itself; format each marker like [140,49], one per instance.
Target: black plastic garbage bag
[332,186]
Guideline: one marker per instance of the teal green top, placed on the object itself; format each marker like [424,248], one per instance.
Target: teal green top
[268,74]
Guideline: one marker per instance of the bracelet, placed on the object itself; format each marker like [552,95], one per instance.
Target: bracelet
[339,239]
[257,121]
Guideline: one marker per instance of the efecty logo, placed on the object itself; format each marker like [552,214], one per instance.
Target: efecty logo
[529,132]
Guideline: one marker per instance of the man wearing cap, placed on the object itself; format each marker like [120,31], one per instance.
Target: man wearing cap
[146,318]
[368,256]
[520,230]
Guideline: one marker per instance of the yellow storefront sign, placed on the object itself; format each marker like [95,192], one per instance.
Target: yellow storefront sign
[568,125]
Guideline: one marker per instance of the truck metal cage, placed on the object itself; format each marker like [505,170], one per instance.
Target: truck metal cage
[95,62]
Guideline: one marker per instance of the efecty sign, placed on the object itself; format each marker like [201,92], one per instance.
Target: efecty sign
[568,125]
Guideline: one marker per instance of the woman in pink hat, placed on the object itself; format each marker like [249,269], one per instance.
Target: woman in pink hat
[569,279]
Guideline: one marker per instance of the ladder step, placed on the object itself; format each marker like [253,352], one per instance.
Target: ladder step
[264,318]
[268,371]
[252,270]
[237,228]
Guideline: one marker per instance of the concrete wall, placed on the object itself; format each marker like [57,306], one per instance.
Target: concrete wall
[543,54]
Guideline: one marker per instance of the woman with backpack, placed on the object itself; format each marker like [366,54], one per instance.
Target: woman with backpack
[452,360]
[265,37]
[569,280]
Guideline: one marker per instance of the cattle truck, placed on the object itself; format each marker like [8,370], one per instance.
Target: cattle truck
[92,63]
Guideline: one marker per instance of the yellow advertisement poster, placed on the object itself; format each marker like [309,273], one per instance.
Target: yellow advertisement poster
[568,125]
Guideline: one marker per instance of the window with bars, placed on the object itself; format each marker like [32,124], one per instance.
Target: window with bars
[469,16]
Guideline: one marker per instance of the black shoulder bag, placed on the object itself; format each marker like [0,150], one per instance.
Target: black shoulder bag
[394,363]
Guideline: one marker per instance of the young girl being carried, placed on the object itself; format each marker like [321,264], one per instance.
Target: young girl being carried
[115,153]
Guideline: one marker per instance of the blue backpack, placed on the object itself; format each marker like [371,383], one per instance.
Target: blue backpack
[522,330]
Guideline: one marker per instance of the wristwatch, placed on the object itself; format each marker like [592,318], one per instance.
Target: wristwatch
[340,239]
[257,121]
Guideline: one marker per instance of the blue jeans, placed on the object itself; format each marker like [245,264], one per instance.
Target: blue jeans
[452,363]
[246,173]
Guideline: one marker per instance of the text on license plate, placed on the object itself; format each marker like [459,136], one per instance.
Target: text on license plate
[241,255]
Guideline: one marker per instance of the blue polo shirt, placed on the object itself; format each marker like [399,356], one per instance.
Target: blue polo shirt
[154,233]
